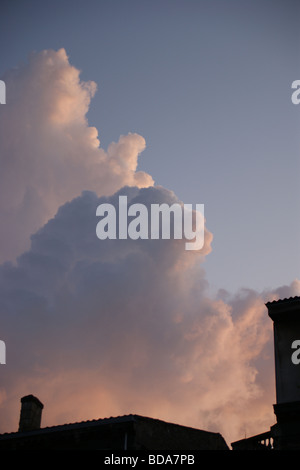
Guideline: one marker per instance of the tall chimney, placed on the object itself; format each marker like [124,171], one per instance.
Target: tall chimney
[31,413]
[286,326]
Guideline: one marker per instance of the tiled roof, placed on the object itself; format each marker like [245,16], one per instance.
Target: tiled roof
[284,301]
[76,425]
[96,422]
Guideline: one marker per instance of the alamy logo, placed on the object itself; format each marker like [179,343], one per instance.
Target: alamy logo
[2,92]
[296,94]
[2,352]
[135,222]
[295,356]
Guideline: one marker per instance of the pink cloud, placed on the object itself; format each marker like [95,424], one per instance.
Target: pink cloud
[48,151]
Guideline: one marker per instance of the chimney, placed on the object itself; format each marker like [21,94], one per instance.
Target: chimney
[31,413]
[286,327]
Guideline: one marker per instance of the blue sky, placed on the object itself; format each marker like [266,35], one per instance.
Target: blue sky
[207,84]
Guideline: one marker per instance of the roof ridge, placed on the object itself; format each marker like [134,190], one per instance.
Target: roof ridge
[75,423]
[286,299]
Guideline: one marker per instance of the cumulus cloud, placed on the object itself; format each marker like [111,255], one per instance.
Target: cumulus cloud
[106,327]
[128,326]
[49,153]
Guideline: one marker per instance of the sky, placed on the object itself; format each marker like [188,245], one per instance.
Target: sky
[162,101]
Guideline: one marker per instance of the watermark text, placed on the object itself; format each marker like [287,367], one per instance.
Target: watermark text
[296,354]
[296,94]
[164,221]
[2,352]
[2,92]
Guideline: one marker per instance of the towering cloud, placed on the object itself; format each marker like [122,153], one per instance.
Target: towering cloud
[48,152]
[106,327]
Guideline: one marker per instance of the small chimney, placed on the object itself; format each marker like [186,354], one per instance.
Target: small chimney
[31,413]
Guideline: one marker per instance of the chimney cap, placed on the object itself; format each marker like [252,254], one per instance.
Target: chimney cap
[32,398]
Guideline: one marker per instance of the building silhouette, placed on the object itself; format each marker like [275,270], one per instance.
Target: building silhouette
[122,433]
[285,434]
